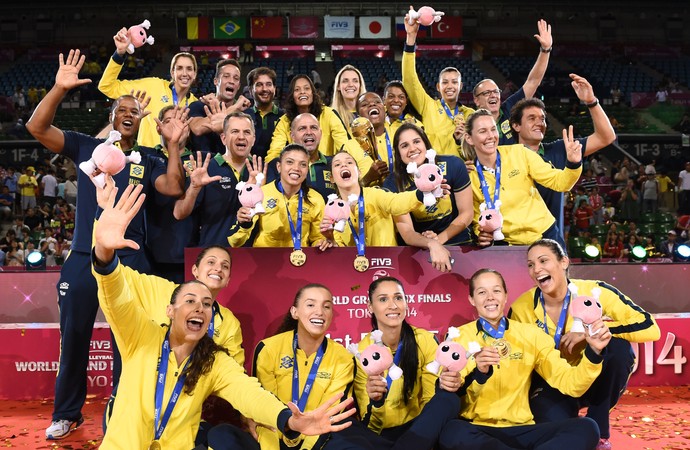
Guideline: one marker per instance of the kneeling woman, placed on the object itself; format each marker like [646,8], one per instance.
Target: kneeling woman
[546,306]
[180,364]
[301,365]
[495,411]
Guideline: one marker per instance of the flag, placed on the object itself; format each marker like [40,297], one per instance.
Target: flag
[303,27]
[342,27]
[267,27]
[448,28]
[229,27]
[400,32]
[375,27]
[192,28]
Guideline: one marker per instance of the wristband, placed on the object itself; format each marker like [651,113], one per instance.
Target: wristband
[545,50]
[593,104]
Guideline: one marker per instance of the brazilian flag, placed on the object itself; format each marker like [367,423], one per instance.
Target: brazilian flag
[229,27]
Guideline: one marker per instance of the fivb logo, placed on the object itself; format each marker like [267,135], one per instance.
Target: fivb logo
[343,25]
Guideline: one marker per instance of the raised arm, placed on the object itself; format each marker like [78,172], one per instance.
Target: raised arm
[539,69]
[41,123]
[603,131]
[175,132]
[198,178]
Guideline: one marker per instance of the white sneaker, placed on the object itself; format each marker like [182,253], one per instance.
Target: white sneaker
[60,429]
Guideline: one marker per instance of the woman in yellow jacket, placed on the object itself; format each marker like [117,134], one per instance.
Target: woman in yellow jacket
[546,305]
[300,364]
[179,363]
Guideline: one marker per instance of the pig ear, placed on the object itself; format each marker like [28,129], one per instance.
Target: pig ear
[332,197]
[431,156]
[596,292]
[482,207]
[239,186]
[573,289]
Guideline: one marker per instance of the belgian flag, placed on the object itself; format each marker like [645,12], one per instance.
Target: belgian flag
[193,28]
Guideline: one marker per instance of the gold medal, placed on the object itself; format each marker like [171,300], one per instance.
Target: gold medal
[361,263]
[155,445]
[502,346]
[457,120]
[298,258]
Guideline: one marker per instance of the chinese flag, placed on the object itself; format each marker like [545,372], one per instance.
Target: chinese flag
[267,27]
[448,28]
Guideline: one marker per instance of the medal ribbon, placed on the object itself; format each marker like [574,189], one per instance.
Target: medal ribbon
[359,240]
[211,324]
[174,97]
[390,152]
[295,229]
[396,361]
[448,113]
[485,186]
[301,401]
[561,320]
[160,387]
[488,329]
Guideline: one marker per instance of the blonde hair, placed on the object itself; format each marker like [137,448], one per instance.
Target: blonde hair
[338,102]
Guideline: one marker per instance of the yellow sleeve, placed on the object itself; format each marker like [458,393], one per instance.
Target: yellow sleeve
[281,137]
[364,162]
[110,86]
[415,90]
[427,353]
[239,235]
[522,309]
[263,368]
[394,203]
[545,174]
[230,335]
[151,292]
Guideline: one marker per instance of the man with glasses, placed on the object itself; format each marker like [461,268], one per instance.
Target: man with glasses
[487,95]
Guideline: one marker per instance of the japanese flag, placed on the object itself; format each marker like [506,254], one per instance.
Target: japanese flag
[375,27]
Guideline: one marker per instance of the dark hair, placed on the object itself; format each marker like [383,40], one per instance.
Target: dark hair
[290,107]
[164,110]
[203,253]
[468,150]
[552,245]
[339,152]
[226,62]
[449,69]
[241,115]
[297,148]
[402,179]
[517,111]
[409,109]
[409,359]
[290,323]
[258,71]
[117,102]
[204,354]
[476,275]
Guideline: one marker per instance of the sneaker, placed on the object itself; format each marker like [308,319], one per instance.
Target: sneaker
[60,429]
[604,444]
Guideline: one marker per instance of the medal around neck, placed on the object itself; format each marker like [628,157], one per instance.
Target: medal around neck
[155,445]
[361,263]
[298,258]
[457,120]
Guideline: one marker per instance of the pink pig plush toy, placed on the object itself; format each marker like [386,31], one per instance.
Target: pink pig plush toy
[137,36]
[107,158]
[428,178]
[491,220]
[452,355]
[338,211]
[252,196]
[376,358]
[425,16]
[584,309]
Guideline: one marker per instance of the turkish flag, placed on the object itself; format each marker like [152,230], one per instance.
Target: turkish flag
[448,27]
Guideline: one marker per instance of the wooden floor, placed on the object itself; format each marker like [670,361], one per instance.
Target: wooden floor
[650,418]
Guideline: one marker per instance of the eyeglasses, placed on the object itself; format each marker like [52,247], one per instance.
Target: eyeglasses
[489,92]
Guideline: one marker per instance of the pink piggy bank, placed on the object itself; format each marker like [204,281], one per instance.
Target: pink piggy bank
[137,36]
[452,355]
[107,158]
[584,309]
[376,358]
[427,178]
[425,16]
[252,196]
[338,210]
[491,220]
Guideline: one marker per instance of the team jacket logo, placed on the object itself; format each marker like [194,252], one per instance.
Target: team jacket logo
[442,165]
[505,128]
[136,171]
[327,176]
[286,362]
[64,286]
[514,173]
[226,183]
[271,203]
[165,99]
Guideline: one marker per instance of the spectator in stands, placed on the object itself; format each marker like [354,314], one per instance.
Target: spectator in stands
[398,109]
[525,216]
[6,204]
[609,211]
[583,217]
[613,247]
[684,190]
[349,85]
[661,94]
[6,241]
[487,95]
[303,98]
[183,72]
[27,185]
[616,94]
[632,241]
[596,165]
[629,204]
[444,119]
[77,290]
[293,210]
[48,246]
[667,248]
[33,220]
[650,193]
[247,50]
[684,125]
[528,120]
[71,190]
[596,202]
[207,121]
[622,174]
[216,204]
[265,113]
[587,181]
[14,255]
[49,186]
[12,182]
[316,78]
[666,190]
[546,306]
[19,99]
[568,219]
[594,241]
[448,223]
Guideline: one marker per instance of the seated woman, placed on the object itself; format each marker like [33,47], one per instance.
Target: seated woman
[448,222]
[546,305]
[181,353]
[495,411]
[294,218]
[408,412]
[507,173]
[301,341]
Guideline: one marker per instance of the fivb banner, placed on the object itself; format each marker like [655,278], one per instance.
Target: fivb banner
[339,27]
